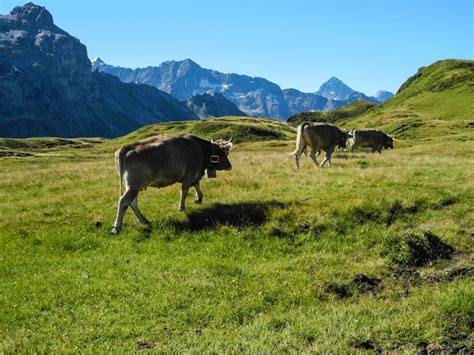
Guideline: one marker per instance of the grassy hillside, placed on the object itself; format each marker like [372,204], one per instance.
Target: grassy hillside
[353,109]
[242,129]
[437,102]
[374,253]
[25,147]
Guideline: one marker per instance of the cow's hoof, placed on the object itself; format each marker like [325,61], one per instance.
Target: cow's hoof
[115,230]
[181,209]
[145,222]
[198,200]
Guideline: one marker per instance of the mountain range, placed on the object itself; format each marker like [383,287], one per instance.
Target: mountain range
[47,87]
[252,95]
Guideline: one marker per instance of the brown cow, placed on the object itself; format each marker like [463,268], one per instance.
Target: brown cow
[318,136]
[162,161]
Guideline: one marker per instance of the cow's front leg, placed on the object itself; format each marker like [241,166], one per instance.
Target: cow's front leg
[313,155]
[199,195]
[327,159]
[182,197]
[352,147]
[125,201]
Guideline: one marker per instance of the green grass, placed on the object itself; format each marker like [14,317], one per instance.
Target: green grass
[268,262]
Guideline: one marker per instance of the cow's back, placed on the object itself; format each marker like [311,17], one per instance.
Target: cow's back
[322,136]
[369,138]
[162,160]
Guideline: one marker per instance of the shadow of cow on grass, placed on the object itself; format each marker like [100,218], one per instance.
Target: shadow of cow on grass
[240,215]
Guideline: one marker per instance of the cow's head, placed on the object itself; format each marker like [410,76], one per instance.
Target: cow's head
[349,135]
[225,145]
[219,152]
[389,142]
[343,139]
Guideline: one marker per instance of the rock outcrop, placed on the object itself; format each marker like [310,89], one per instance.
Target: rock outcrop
[47,87]
[212,104]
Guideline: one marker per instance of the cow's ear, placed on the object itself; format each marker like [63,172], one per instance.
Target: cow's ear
[212,140]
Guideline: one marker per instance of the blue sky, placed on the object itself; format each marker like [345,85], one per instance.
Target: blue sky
[369,44]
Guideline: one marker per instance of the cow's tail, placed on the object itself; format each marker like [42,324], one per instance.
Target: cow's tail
[300,143]
[119,165]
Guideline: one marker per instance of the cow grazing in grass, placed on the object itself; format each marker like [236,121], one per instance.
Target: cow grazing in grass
[162,161]
[318,136]
[370,138]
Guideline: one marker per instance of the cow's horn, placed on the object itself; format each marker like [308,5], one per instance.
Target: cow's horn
[212,140]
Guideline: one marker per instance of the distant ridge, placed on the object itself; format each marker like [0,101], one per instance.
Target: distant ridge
[253,96]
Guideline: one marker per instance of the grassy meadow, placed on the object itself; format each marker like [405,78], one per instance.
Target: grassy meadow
[274,260]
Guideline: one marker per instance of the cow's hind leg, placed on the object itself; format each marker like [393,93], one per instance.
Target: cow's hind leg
[182,196]
[298,153]
[297,159]
[125,201]
[199,195]
[141,218]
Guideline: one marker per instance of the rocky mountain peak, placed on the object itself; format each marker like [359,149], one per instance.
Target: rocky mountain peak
[186,66]
[189,62]
[97,61]
[47,86]
[31,15]
[334,80]
[186,63]
[382,95]
[335,89]
[30,39]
